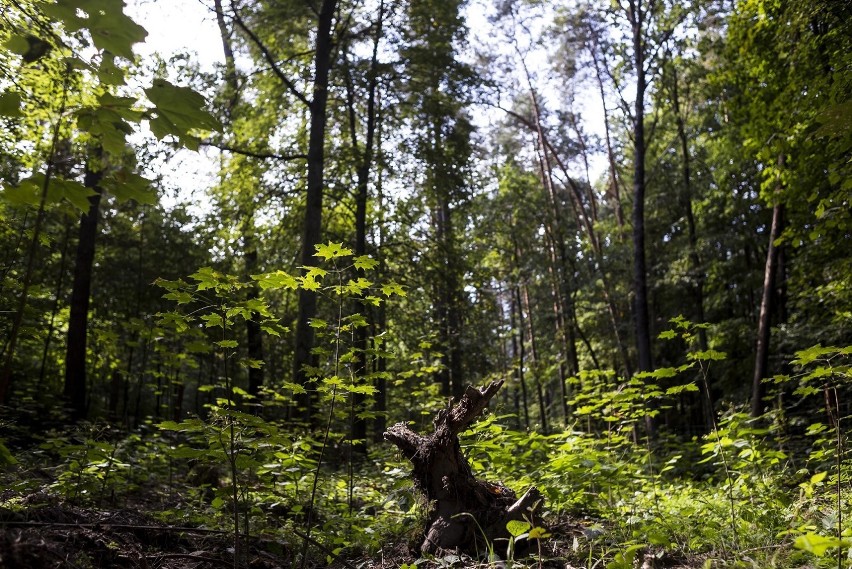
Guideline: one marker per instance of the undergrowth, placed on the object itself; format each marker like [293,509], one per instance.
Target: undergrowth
[774,491]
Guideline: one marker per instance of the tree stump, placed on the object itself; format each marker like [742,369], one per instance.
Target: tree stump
[461,508]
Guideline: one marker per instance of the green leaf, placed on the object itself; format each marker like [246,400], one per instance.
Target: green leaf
[109,73]
[663,372]
[17,45]
[813,353]
[10,104]
[227,343]
[365,263]
[392,288]
[677,389]
[212,320]
[258,306]
[309,282]
[177,321]
[818,477]
[207,278]
[126,185]
[358,287]
[179,110]
[276,280]
[274,328]
[6,458]
[181,297]
[332,251]
[362,389]
[517,527]
[816,544]
[707,355]
[29,191]
[74,192]
[115,32]
[314,272]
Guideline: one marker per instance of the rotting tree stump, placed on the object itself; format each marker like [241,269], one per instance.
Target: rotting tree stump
[461,508]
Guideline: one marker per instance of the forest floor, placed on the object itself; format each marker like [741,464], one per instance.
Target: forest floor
[49,532]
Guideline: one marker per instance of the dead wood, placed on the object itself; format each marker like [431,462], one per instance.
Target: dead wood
[461,508]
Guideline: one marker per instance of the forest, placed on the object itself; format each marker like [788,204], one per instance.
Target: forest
[427,283]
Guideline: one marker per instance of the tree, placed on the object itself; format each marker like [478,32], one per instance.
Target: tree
[782,76]
[435,90]
[93,115]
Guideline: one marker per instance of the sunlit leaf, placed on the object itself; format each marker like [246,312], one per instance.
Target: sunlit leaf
[517,527]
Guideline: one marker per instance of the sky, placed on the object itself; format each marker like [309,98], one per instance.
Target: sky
[182,26]
[178,26]
[189,26]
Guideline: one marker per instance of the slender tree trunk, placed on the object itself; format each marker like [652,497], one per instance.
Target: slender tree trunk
[78,320]
[254,336]
[518,347]
[761,358]
[614,184]
[6,372]
[359,424]
[313,207]
[230,63]
[542,407]
[562,336]
[640,284]
[60,284]
[381,396]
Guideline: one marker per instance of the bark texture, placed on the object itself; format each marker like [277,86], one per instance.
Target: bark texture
[78,319]
[459,503]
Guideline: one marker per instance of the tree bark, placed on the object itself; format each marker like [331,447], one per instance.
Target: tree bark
[313,206]
[462,508]
[78,320]
[365,161]
[761,358]
[640,283]
[254,336]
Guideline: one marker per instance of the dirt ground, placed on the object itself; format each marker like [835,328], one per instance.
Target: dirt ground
[44,532]
[47,532]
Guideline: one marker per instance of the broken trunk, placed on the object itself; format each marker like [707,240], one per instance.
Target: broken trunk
[463,511]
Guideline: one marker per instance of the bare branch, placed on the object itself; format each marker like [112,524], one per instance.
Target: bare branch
[253,153]
[267,55]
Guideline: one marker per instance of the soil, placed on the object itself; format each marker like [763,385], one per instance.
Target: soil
[47,532]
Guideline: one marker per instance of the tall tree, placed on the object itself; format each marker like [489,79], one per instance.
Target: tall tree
[782,78]
[323,49]
[436,90]
[364,157]
[78,321]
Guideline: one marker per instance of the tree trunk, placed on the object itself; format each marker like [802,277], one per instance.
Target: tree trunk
[78,320]
[60,284]
[542,407]
[519,350]
[254,335]
[313,206]
[761,358]
[461,508]
[640,284]
[365,161]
